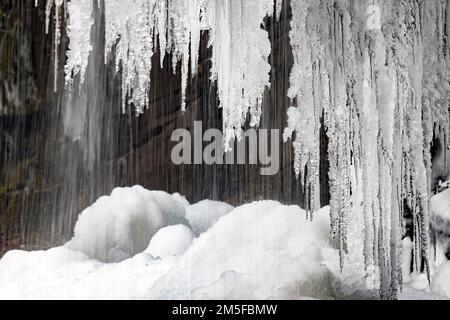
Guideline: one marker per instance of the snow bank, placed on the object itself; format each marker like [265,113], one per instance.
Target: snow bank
[118,226]
[204,214]
[170,241]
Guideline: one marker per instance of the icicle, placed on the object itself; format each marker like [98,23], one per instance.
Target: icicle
[278,8]
[240,60]
[129,26]
[58,4]
[184,40]
[48,12]
[79,31]
[304,117]
[58,12]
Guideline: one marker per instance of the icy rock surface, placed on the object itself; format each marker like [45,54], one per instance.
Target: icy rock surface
[170,241]
[204,214]
[118,226]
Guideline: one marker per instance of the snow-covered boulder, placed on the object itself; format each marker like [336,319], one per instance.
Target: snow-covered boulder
[170,241]
[204,214]
[118,226]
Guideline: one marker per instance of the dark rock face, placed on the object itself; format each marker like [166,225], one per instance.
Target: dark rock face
[25,57]
[47,177]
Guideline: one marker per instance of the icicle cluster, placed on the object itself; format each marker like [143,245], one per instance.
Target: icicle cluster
[304,117]
[374,74]
[382,92]
[134,29]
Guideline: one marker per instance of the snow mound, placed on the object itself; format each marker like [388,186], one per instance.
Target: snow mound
[204,214]
[440,284]
[118,226]
[261,250]
[170,241]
